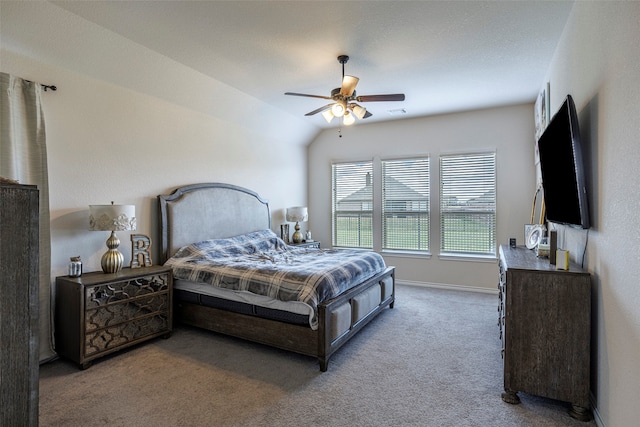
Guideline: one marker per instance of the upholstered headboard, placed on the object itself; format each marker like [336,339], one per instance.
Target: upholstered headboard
[198,212]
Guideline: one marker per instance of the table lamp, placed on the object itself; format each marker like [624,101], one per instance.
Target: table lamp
[112,218]
[297,214]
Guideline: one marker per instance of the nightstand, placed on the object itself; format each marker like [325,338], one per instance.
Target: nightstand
[312,244]
[97,314]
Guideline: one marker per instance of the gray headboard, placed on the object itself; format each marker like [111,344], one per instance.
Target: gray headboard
[198,212]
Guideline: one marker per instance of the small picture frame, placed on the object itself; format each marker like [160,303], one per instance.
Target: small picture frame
[542,112]
[534,235]
[284,233]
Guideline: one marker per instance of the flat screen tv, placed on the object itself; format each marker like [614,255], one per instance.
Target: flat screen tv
[562,168]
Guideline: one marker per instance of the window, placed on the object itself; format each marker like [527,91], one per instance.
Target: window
[468,204]
[352,204]
[405,204]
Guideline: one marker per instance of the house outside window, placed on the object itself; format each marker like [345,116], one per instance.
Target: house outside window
[405,204]
[352,204]
[468,204]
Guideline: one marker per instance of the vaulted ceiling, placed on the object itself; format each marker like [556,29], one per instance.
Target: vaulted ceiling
[444,55]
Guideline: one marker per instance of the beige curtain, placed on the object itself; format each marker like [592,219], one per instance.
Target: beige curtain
[23,157]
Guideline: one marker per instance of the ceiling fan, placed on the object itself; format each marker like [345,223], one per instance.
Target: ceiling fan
[344,99]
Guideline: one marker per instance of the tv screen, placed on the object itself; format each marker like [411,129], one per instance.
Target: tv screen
[561,165]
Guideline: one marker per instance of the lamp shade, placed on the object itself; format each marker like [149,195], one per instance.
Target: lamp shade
[297,214]
[112,217]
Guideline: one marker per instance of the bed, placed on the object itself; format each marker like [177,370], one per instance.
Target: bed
[197,217]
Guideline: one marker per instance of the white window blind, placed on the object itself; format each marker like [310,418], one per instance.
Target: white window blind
[468,203]
[352,204]
[405,204]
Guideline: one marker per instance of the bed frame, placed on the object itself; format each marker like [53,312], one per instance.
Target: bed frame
[215,210]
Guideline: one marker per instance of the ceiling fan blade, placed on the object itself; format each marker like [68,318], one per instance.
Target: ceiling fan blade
[374,98]
[367,114]
[307,95]
[348,85]
[319,110]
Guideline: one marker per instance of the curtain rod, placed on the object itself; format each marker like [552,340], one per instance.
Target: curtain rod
[52,87]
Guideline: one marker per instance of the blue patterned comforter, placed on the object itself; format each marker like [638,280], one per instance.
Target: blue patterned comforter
[262,263]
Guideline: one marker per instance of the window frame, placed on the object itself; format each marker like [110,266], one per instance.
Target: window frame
[364,231]
[424,202]
[469,216]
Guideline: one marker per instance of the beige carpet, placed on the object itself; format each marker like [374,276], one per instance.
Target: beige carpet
[433,360]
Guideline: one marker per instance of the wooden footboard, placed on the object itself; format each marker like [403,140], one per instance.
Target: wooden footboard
[342,317]
[339,320]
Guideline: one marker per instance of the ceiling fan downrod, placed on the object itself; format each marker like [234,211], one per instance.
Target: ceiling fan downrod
[343,60]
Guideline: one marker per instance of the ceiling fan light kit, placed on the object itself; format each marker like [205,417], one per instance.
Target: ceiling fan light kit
[343,97]
[348,119]
[338,109]
[328,116]
[358,110]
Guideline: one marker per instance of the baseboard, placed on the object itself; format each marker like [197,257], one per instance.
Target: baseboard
[448,286]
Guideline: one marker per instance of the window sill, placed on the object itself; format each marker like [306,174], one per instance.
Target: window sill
[468,257]
[406,254]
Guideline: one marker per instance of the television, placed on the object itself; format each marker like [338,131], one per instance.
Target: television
[562,169]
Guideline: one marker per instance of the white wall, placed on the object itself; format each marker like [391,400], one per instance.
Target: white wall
[129,136]
[507,130]
[598,63]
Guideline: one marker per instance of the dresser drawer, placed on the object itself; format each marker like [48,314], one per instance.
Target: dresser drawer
[130,332]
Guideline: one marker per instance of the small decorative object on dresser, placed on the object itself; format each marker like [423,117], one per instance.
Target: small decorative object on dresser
[75,266]
[98,313]
[140,251]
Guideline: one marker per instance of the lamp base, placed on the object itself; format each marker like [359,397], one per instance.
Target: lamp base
[297,235]
[112,260]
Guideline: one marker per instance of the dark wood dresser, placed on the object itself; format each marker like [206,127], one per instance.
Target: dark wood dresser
[99,313]
[19,301]
[544,318]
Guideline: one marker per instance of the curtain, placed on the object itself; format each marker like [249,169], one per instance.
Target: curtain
[23,157]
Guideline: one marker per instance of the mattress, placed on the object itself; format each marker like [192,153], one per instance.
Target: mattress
[296,312]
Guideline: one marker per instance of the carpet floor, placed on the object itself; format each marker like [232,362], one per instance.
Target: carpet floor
[433,360]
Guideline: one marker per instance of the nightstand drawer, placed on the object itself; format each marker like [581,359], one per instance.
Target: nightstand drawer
[118,336]
[126,311]
[126,290]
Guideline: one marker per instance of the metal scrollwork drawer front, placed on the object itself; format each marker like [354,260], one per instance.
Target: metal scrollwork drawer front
[119,313]
[115,292]
[104,339]
[125,310]
[503,274]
